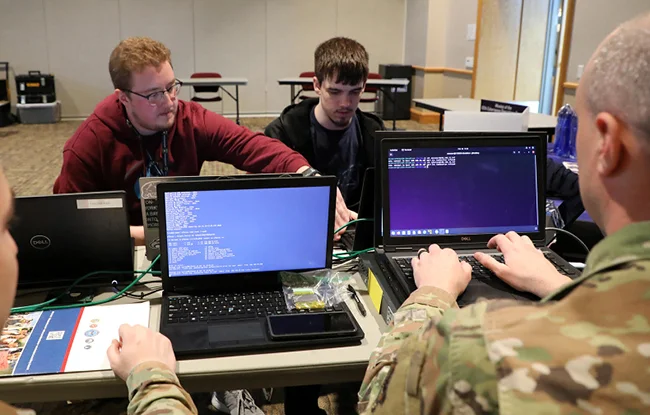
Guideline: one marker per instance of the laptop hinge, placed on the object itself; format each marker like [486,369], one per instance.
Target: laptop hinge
[398,248]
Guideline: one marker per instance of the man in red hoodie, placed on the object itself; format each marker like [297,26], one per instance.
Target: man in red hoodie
[143,129]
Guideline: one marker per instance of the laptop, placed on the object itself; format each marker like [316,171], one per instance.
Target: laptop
[458,191]
[360,235]
[149,203]
[65,236]
[223,244]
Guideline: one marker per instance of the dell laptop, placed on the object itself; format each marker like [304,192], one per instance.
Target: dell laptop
[63,237]
[458,191]
[223,245]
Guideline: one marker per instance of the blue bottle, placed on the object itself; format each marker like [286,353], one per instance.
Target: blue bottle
[574,134]
[563,131]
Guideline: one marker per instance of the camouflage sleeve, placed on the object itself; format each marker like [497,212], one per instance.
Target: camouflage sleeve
[154,389]
[419,312]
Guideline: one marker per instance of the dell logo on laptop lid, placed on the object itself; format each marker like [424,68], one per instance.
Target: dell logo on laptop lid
[40,242]
[466,238]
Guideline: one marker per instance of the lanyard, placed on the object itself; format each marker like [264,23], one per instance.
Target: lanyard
[165,149]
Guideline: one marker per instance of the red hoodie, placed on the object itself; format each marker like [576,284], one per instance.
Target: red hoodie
[106,154]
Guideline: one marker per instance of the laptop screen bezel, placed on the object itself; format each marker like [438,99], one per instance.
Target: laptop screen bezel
[466,139]
[235,281]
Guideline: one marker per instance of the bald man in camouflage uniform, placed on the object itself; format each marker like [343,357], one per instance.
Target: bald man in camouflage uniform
[585,348]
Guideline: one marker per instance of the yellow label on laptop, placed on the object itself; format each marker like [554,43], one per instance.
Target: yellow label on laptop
[375,291]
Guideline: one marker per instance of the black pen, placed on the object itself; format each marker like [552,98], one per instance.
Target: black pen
[357,300]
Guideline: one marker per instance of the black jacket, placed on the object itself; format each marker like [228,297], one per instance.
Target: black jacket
[293,128]
[560,181]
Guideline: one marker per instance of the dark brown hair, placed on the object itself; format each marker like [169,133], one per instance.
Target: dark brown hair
[341,60]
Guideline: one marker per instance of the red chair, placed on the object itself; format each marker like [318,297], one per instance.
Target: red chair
[308,87]
[200,89]
[370,94]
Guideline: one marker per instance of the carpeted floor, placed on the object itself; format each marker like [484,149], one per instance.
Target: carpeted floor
[31,158]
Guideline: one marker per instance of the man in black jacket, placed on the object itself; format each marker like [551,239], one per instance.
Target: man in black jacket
[330,131]
[336,138]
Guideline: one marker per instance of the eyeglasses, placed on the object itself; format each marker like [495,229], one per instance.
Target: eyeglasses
[158,97]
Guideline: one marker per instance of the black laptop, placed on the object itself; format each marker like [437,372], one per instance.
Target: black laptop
[149,202]
[223,244]
[458,191]
[66,236]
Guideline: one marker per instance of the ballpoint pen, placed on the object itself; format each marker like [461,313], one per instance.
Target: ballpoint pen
[357,300]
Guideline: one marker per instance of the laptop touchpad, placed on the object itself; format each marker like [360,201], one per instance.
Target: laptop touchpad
[243,331]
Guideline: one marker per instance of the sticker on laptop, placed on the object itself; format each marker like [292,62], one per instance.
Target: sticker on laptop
[149,190]
[114,203]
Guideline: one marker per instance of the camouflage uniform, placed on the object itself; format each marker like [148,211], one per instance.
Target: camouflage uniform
[583,349]
[154,389]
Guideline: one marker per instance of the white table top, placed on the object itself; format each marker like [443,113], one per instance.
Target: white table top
[469,104]
[214,81]
[373,82]
[316,366]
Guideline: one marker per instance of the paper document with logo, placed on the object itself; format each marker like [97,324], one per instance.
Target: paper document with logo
[62,341]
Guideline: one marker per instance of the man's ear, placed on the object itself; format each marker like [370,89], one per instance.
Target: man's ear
[611,146]
[121,95]
[316,85]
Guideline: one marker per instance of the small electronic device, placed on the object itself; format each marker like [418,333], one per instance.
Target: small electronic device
[310,325]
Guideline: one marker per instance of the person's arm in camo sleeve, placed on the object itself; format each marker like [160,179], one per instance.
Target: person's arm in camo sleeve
[154,388]
[412,323]
[145,360]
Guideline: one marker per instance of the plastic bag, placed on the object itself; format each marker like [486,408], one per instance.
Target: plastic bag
[315,290]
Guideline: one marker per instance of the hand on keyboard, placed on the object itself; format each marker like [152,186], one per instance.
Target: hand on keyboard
[441,268]
[525,267]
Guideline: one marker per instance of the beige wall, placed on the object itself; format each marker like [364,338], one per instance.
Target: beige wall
[262,40]
[433,85]
[569,98]
[532,44]
[460,14]
[593,21]
[457,86]
[445,45]
[498,49]
[436,32]
[415,43]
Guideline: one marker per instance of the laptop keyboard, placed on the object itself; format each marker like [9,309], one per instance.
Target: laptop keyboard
[197,309]
[478,270]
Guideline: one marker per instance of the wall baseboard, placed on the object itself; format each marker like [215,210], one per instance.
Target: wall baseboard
[424,116]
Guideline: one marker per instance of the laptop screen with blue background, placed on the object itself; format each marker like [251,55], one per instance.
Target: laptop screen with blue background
[212,232]
[462,190]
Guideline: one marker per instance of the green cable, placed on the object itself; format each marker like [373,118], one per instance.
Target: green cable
[352,254]
[351,222]
[46,304]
